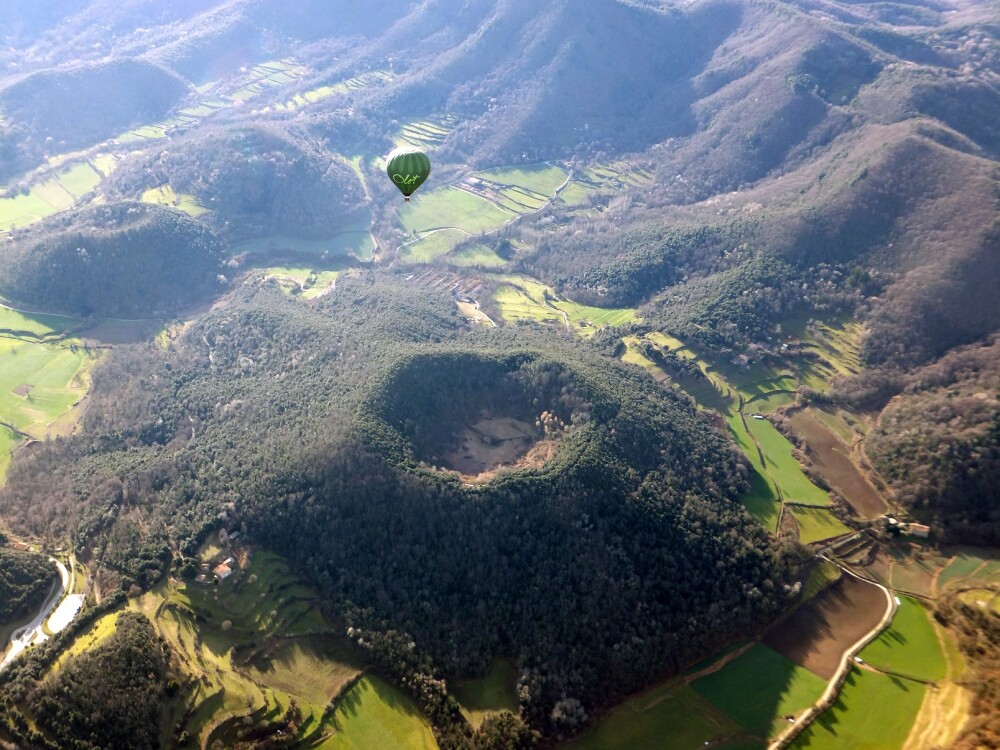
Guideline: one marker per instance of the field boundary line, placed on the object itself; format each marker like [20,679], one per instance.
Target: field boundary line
[846,664]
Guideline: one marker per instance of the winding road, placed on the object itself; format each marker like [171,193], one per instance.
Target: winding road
[65,608]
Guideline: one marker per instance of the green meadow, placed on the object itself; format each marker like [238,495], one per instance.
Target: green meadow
[816,524]
[663,717]
[431,245]
[165,196]
[782,466]
[480,256]
[855,722]
[760,687]
[372,715]
[453,208]
[522,298]
[542,179]
[39,383]
[909,646]
[33,325]
[495,692]
[46,197]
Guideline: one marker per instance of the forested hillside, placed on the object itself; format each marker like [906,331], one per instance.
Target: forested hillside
[267,415]
[126,259]
[464,420]
[25,580]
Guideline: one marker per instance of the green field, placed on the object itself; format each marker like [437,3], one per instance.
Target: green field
[39,383]
[165,196]
[816,524]
[432,245]
[495,692]
[782,466]
[909,646]
[762,501]
[664,717]
[375,715]
[523,298]
[855,721]
[353,241]
[79,179]
[33,325]
[481,256]
[760,687]
[543,179]
[449,207]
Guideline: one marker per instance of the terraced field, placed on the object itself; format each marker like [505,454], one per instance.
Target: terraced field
[522,298]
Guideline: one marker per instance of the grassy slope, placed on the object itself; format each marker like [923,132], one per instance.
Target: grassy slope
[757,704]
[910,646]
[817,524]
[674,717]
[795,486]
[852,724]
[496,692]
[374,715]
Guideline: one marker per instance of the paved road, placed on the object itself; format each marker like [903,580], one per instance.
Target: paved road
[32,632]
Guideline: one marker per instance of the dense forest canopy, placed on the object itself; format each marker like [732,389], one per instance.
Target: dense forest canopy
[124,259]
[629,541]
[719,168]
[26,578]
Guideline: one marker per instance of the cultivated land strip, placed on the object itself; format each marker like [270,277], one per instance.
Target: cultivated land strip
[846,664]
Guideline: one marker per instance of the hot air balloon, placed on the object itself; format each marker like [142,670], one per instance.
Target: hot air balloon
[408,168]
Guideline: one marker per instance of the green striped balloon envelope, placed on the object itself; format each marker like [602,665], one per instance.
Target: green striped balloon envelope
[408,168]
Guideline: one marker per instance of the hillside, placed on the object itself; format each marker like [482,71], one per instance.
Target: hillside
[258,181]
[41,112]
[694,292]
[126,259]
[391,543]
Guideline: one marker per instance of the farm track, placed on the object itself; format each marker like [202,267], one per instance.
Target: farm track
[846,664]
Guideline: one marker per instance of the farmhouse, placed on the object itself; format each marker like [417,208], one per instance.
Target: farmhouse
[222,571]
[919,530]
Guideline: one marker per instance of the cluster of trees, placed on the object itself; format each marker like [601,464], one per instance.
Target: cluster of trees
[109,696]
[726,311]
[978,633]
[938,445]
[25,580]
[123,259]
[258,180]
[621,560]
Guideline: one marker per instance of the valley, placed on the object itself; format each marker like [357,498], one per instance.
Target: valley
[594,443]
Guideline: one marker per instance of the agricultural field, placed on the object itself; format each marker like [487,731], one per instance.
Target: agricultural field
[372,714]
[40,382]
[759,688]
[665,716]
[353,241]
[29,325]
[426,134]
[851,724]
[521,298]
[816,524]
[537,179]
[909,646]
[46,197]
[251,646]
[784,469]
[450,207]
[817,634]
[495,692]
[831,459]
[431,245]
[165,196]
[476,256]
